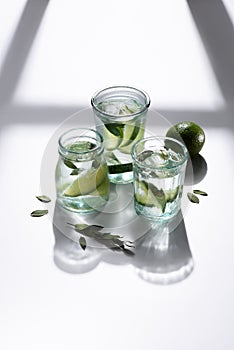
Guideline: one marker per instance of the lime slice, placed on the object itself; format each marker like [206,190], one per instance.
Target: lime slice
[171,195]
[131,135]
[128,134]
[150,196]
[144,195]
[111,141]
[87,182]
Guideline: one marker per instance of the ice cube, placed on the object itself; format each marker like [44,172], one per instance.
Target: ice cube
[174,157]
[157,159]
[112,108]
[130,106]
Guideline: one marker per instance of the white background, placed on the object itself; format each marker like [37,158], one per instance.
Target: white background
[54,55]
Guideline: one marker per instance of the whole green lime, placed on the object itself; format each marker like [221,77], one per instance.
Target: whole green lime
[190,133]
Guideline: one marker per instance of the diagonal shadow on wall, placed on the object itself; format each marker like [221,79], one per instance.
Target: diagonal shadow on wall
[19,48]
[216,31]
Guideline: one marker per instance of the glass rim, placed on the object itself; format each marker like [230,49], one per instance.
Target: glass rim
[64,149]
[160,138]
[144,108]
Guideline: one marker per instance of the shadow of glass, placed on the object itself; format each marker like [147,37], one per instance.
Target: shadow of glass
[163,255]
[118,217]
[218,41]
[196,170]
[19,48]
[68,255]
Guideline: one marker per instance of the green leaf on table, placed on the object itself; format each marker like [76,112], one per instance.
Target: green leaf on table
[193,198]
[201,193]
[109,240]
[38,213]
[44,199]
[80,227]
[85,227]
[83,243]
[87,230]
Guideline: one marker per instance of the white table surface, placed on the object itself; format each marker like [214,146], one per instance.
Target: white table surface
[53,56]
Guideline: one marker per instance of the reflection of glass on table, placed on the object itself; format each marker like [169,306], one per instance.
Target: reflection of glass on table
[163,255]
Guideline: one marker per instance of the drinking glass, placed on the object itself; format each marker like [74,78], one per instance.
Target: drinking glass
[120,115]
[82,182]
[159,165]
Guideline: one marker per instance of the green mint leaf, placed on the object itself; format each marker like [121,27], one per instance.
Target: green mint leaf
[201,193]
[193,198]
[144,155]
[88,230]
[44,199]
[75,172]
[159,195]
[69,164]
[38,213]
[164,154]
[83,243]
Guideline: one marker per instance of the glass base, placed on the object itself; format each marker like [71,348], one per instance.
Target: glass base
[152,213]
[83,204]
[122,178]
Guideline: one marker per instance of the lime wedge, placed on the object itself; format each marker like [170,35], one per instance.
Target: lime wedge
[87,182]
[103,189]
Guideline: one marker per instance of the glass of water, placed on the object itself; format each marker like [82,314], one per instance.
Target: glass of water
[159,165]
[120,115]
[82,182]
